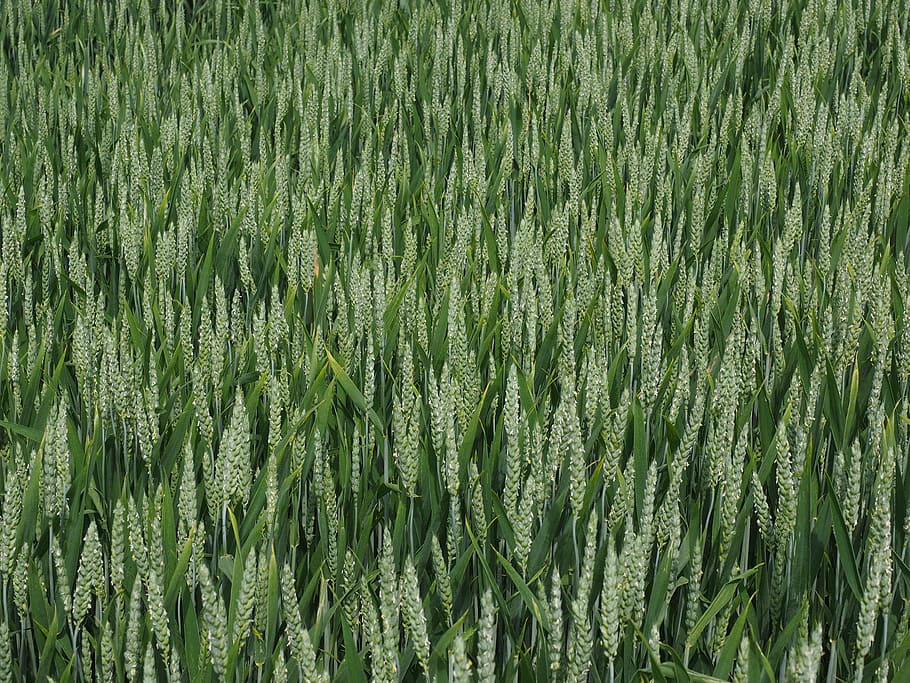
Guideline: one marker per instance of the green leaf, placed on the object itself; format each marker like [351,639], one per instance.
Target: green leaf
[30,433]
[47,659]
[659,599]
[526,593]
[655,670]
[178,578]
[784,639]
[851,403]
[271,627]
[30,503]
[723,597]
[353,392]
[192,647]
[727,657]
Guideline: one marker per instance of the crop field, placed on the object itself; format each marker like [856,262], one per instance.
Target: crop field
[479,340]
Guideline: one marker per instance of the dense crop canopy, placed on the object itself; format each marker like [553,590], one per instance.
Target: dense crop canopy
[476,340]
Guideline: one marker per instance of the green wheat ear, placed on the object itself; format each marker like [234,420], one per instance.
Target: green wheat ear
[413,615]
[486,644]
[215,621]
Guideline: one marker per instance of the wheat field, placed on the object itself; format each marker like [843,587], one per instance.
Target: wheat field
[520,340]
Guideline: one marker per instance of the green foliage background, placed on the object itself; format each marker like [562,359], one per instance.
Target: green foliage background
[499,340]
